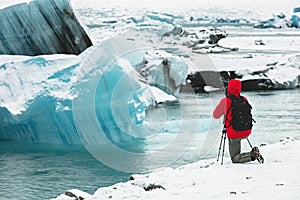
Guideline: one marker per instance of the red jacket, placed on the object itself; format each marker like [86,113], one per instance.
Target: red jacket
[234,87]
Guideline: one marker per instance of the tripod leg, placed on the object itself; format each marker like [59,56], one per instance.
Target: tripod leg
[249,143]
[223,149]
[220,146]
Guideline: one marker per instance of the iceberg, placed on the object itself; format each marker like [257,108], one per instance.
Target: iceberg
[49,98]
[41,27]
[169,19]
[35,99]
[231,21]
[278,21]
[296,18]
[281,21]
[164,70]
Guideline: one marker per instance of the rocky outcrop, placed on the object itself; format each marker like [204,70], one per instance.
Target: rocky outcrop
[276,76]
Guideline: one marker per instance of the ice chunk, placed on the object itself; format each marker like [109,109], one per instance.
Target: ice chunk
[39,96]
[41,27]
[164,71]
[198,40]
[297,10]
[296,18]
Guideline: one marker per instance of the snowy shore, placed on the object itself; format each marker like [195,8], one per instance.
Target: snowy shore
[277,178]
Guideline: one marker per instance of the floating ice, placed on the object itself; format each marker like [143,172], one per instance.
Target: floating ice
[198,40]
[296,18]
[278,21]
[164,70]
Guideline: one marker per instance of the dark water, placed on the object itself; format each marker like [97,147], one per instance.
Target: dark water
[277,114]
[35,171]
[31,171]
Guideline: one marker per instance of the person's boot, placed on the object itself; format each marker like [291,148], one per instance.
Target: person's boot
[255,155]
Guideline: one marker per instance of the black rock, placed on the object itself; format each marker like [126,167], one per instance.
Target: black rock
[153,187]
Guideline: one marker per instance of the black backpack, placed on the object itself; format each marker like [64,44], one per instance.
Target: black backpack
[241,113]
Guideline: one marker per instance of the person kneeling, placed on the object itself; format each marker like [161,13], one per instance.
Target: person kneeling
[237,122]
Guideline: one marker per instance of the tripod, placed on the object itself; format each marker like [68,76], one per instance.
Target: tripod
[260,159]
[223,139]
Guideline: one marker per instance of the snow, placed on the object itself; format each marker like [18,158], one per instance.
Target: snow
[282,75]
[277,178]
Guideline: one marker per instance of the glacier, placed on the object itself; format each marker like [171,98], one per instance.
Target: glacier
[41,27]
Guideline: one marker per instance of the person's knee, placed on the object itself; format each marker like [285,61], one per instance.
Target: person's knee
[233,160]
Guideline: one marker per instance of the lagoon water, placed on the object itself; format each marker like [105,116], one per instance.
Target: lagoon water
[42,171]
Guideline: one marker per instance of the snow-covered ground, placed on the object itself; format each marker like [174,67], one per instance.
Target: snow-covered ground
[277,178]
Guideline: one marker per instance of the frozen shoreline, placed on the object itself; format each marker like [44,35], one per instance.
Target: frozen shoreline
[277,178]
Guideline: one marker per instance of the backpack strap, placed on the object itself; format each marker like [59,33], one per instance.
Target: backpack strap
[226,119]
[231,97]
